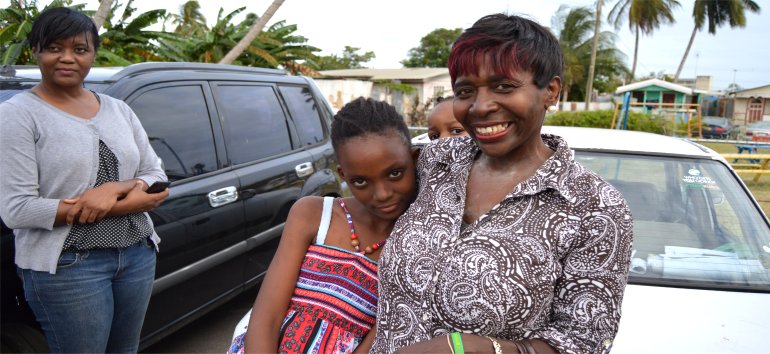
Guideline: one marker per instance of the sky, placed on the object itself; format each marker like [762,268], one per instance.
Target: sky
[390,28]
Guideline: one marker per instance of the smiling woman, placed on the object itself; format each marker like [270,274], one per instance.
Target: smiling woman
[510,239]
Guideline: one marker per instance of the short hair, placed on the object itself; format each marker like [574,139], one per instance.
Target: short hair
[364,116]
[441,99]
[58,23]
[513,43]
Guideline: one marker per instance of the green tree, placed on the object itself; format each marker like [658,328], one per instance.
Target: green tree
[716,13]
[574,28]
[208,47]
[350,59]
[15,23]
[594,49]
[434,49]
[126,40]
[276,47]
[190,20]
[643,16]
[289,50]
[252,33]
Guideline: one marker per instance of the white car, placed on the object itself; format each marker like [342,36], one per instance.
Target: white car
[700,276]
[700,271]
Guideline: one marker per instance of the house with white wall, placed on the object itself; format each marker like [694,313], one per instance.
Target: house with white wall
[342,86]
[751,105]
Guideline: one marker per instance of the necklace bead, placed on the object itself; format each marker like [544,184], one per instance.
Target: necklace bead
[354,238]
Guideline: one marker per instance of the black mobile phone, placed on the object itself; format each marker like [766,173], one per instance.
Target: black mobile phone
[158,187]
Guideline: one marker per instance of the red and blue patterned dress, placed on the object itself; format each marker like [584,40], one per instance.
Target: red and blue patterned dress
[334,304]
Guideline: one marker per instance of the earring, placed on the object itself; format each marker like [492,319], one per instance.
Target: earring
[552,108]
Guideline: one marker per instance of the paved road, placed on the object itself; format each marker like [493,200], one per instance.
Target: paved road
[209,334]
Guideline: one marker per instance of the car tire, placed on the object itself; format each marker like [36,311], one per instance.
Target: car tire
[21,338]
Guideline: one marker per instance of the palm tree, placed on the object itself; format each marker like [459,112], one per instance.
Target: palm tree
[594,48]
[215,42]
[190,20]
[102,12]
[126,41]
[252,34]
[644,16]
[288,49]
[574,28]
[717,13]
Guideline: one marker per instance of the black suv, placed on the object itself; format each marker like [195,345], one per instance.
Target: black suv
[240,145]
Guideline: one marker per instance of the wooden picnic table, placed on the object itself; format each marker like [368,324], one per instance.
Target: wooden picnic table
[757,163]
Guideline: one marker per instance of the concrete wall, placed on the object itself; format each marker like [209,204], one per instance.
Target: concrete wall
[580,106]
[340,92]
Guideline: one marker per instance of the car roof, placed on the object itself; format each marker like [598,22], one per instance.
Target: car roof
[96,73]
[111,74]
[629,141]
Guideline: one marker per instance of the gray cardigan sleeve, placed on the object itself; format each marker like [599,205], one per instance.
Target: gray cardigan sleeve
[20,203]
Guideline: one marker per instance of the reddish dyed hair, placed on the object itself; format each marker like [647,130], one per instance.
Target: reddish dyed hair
[512,44]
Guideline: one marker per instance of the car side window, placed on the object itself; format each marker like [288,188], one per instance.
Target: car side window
[305,113]
[254,122]
[181,134]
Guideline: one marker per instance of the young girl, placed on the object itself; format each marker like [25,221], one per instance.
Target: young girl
[442,122]
[325,269]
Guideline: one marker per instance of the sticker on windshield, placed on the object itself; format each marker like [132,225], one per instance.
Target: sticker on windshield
[694,179]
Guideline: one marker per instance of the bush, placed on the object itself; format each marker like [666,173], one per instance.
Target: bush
[603,119]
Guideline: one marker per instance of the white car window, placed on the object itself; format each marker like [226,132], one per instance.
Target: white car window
[694,223]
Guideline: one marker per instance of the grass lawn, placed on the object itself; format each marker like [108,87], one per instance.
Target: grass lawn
[761,189]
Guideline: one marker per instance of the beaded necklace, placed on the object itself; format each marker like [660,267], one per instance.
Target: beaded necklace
[354,238]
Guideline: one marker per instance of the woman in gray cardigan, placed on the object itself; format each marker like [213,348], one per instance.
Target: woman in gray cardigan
[73,176]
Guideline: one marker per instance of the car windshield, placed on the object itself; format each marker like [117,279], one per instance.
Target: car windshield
[695,224]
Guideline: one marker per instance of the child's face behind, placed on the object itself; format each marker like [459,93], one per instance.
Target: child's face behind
[442,122]
[380,170]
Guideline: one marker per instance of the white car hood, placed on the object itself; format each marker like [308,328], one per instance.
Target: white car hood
[671,320]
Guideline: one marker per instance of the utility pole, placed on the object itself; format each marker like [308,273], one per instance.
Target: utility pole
[597,27]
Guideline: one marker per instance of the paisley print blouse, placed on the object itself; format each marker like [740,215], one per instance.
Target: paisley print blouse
[549,262]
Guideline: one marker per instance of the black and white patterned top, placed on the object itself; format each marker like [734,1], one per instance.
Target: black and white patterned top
[110,232]
[549,262]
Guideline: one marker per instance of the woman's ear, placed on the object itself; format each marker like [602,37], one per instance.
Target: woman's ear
[416,153]
[552,91]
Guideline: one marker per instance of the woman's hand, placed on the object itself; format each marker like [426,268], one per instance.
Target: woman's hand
[138,201]
[94,204]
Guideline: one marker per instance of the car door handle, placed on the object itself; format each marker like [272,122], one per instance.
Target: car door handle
[223,196]
[304,169]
